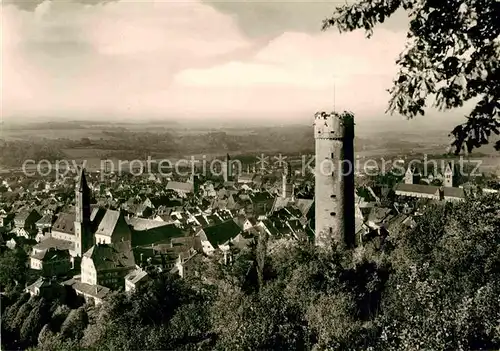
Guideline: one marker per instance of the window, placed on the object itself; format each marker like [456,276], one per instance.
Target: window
[332,155]
[333,196]
[332,214]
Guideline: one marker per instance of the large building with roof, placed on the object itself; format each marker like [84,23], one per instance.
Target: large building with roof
[107,264]
[77,232]
[447,192]
[417,190]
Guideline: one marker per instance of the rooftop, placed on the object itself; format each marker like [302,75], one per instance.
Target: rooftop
[51,242]
[156,235]
[222,232]
[136,275]
[111,256]
[65,223]
[417,188]
[109,222]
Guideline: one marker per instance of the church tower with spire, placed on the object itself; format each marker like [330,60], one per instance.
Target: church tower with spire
[84,239]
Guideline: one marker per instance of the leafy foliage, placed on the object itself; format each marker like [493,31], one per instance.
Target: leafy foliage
[452,55]
[444,289]
[12,268]
[434,287]
[35,321]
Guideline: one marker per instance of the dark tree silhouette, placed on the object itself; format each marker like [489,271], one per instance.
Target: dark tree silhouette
[453,56]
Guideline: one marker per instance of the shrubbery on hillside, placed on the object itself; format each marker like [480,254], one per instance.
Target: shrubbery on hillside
[432,287]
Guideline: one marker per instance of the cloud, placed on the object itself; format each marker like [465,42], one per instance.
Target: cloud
[71,57]
[171,58]
[273,17]
[31,5]
[309,70]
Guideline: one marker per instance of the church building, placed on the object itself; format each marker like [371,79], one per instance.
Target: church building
[78,232]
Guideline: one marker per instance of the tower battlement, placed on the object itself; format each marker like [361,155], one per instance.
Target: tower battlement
[332,125]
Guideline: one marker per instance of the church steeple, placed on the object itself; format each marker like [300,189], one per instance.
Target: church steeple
[82,185]
[82,199]
[83,233]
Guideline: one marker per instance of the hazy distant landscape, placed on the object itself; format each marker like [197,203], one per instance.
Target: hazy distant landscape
[94,141]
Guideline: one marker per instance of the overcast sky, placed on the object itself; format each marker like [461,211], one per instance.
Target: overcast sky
[190,59]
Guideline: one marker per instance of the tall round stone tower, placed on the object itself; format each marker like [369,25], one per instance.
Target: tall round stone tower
[334,179]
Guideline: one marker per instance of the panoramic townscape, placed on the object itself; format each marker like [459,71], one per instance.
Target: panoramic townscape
[330,231]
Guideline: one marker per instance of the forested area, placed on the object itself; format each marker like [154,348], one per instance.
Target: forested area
[432,287]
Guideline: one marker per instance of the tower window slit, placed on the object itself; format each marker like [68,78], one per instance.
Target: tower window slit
[332,214]
[333,196]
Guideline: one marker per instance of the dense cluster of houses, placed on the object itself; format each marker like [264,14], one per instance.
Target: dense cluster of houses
[94,236]
[106,239]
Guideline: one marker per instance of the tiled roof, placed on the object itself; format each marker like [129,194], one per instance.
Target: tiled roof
[358,225]
[270,227]
[136,275]
[55,243]
[417,188]
[96,291]
[39,255]
[65,223]
[108,223]
[111,256]
[47,219]
[23,214]
[221,233]
[165,201]
[139,224]
[41,282]
[378,214]
[96,216]
[156,235]
[55,254]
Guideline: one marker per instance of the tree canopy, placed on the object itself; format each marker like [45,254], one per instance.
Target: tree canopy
[433,286]
[452,56]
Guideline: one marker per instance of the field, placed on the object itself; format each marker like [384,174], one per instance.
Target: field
[94,142]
